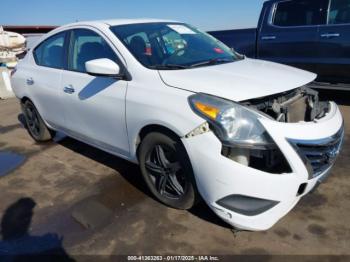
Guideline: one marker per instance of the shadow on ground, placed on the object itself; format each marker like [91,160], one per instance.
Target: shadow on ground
[18,245]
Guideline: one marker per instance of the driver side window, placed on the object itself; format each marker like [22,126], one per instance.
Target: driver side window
[87,45]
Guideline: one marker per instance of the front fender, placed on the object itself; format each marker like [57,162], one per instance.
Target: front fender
[169,109]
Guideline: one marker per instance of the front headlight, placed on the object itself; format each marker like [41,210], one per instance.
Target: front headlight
[233,123]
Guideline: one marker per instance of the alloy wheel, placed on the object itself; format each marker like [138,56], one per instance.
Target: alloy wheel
[33,120]
[165,171]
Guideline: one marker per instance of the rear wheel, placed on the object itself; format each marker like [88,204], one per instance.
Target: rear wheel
[35,124]
[167,170]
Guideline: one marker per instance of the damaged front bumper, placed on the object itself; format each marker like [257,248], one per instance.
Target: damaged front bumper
[252,199]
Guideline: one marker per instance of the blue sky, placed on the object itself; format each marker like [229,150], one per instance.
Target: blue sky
[205,14]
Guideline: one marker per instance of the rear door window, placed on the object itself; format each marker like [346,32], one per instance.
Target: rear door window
[339,12]
[50,53]
[301,13]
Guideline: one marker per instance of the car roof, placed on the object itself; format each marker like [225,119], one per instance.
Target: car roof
[102,23]
[115,22]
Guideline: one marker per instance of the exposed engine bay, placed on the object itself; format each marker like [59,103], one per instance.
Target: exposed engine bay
[293,106]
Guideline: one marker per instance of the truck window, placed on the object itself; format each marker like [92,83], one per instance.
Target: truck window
[339,12]
[301,13]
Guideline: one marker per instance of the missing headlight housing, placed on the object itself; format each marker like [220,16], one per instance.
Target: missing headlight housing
[267,160]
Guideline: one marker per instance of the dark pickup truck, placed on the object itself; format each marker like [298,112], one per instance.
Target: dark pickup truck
[309,34]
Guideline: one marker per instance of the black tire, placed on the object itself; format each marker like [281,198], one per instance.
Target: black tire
[167,171]
[35,124]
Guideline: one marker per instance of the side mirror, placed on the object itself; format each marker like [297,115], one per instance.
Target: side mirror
[103,67]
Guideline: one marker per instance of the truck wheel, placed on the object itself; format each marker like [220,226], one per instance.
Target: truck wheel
[35,124]
[167,171]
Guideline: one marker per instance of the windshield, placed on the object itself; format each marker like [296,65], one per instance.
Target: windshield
[165,46]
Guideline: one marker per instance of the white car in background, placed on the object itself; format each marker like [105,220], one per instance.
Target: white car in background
[247,136]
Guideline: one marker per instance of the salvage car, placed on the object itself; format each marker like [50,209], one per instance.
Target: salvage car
[248,137]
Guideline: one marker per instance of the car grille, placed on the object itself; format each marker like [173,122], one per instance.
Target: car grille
[319,155]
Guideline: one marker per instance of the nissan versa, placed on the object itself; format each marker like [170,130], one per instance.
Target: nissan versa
[248,136]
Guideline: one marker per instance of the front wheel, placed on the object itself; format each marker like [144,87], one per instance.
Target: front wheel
[35,124]
[167,171]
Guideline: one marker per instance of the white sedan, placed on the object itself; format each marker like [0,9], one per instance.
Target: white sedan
[248,136]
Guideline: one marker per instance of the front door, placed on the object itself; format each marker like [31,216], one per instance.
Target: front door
[94,106]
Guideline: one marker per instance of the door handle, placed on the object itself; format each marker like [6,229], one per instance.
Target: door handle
[330,35]
[69,89]
[30,81]
[270,37]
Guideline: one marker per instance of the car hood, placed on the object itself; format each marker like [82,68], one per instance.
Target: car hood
[238,81]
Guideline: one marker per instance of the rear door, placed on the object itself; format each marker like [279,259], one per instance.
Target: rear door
[94,106]
[289,33]
[44,78]
[334,44]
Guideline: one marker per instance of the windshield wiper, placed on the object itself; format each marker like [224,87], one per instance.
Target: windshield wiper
[214,61]
[169,67]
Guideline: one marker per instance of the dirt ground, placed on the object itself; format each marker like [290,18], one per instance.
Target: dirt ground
[99,204]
